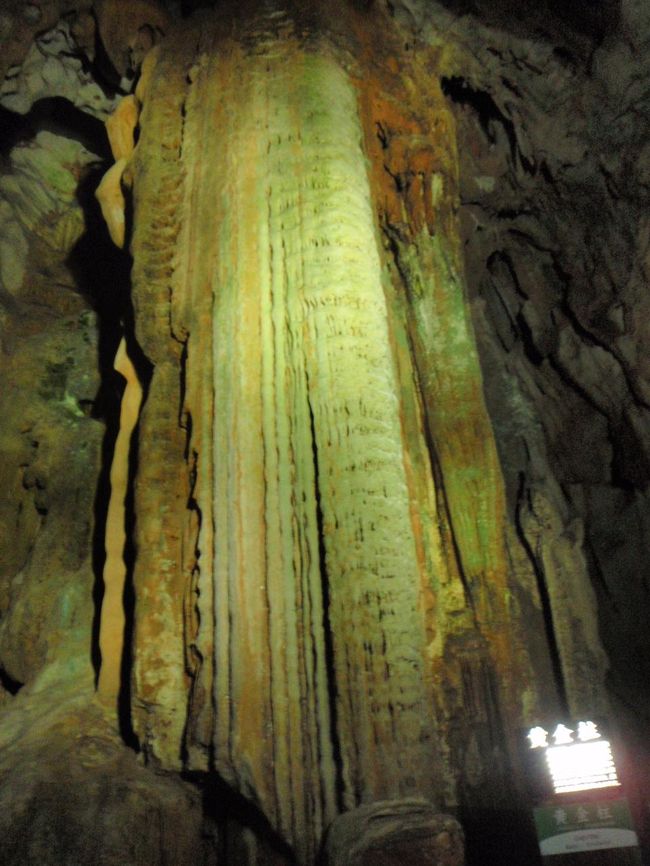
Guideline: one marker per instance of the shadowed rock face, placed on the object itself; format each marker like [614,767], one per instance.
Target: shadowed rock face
[385,503]
[71,793]
[388,833]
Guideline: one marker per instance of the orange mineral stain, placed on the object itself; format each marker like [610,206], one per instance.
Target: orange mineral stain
[112,619]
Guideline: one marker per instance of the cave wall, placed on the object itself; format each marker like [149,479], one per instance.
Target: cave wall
[553,226]
[555,216]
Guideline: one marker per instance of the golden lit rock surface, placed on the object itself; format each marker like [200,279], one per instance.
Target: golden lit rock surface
[121,125]
[333,519]
[112,202]
[112,618]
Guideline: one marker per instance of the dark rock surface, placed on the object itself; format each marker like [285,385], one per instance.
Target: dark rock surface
[394,833]
[555,201]
[71,794]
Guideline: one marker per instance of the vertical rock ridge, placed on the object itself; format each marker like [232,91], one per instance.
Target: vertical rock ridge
[373,582]
[410,138]
[274,742]
[161,683]
[554,540]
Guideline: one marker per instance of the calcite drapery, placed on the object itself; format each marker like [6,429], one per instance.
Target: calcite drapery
[113,619]
[298,522]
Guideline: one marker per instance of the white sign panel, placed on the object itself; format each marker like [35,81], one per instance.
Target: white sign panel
[591,826]
[588,840]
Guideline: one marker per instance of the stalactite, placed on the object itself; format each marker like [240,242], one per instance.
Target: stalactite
[477,651]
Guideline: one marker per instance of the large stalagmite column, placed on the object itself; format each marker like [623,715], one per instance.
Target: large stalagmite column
[302,452]
[293,537]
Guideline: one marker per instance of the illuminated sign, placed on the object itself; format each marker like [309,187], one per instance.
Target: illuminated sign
[588,826]
[578,759]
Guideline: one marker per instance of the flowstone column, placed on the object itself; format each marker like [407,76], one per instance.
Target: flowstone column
[290,534]
[299,456]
